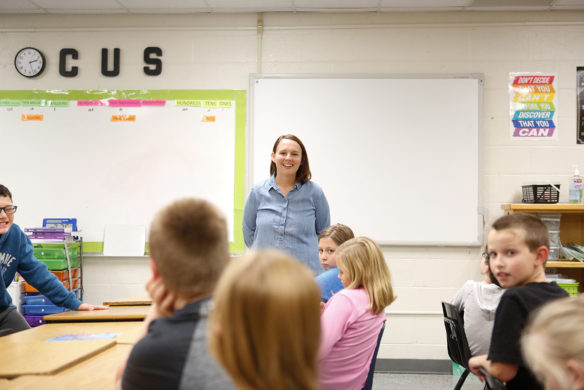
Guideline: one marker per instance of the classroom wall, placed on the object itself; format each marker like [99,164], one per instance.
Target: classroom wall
[219,52]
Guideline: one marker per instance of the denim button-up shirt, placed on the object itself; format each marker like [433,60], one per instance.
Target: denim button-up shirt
[290,223]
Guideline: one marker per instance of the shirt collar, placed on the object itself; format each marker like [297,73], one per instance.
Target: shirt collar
[272,184]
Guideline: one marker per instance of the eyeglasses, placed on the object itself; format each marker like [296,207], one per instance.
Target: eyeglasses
[8,209]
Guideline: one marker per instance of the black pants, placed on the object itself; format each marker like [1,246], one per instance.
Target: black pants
[12,321]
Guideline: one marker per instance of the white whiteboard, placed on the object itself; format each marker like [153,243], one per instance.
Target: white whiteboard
[75,154]
[397,156]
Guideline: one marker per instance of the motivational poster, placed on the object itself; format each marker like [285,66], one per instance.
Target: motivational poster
[533,105]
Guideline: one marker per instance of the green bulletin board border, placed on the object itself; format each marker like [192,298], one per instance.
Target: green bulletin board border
[239,96]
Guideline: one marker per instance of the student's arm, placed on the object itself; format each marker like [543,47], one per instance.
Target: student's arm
[250,212]
[323,214]
[501,371]
[334,321]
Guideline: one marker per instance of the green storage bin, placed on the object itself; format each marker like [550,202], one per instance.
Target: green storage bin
[571,288]
[60,264]
[48,251]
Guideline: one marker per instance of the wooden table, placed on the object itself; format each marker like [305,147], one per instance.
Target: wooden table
[128,331]
[95,373]
[45,357]
[137,300]
[114,313]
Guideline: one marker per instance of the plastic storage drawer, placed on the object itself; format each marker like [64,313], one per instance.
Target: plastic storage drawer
[30,289]
[64,274]
[36,300]
[43,251]
[41,310]
[60,264]
[34,320]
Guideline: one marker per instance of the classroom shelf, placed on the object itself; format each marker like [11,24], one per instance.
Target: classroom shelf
[571,230]
[564,264]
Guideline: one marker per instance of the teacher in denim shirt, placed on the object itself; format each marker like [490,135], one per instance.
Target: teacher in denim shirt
[287,211]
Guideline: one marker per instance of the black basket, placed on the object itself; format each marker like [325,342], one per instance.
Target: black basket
[540,193]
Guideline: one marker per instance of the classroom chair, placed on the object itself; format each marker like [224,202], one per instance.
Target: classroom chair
[369,382]
[492,383]
[458,348]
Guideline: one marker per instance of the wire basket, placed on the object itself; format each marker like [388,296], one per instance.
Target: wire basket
[541,193]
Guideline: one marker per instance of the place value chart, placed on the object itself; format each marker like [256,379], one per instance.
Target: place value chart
[117,157]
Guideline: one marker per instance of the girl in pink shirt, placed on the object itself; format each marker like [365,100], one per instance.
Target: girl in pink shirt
[352,319]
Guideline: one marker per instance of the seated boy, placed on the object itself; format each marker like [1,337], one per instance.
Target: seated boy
[188,251]
[16,255]
[518,247]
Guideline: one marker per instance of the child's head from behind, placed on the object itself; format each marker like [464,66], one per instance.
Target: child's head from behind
[265,326]
[188,244]
[518,246]
[328,242]
[553,345]
[362,265]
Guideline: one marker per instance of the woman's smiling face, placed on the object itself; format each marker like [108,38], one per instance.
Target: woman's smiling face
[288,157]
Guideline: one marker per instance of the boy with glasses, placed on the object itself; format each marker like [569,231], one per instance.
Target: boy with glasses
[16,255]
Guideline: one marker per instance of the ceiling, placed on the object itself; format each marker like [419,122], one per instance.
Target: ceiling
[237,6]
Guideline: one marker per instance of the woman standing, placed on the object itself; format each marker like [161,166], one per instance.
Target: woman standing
[287,211]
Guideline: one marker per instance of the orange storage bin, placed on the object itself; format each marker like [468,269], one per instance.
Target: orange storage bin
[64,274]
[25,287]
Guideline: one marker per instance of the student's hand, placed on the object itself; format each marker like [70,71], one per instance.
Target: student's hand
[321,306]
[89,307]
[162,298]
[475,364]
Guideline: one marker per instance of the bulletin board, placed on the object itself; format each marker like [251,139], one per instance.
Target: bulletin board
[115,157]
[398,156]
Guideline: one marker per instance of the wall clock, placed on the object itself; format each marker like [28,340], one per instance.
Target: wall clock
[29,62]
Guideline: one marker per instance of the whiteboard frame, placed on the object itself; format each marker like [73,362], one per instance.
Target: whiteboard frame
[481,213]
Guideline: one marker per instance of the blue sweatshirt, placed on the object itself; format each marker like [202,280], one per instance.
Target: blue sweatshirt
[16,255]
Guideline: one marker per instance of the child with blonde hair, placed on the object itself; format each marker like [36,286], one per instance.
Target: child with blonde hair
[353,318]
[553,344]
[265,324]
[328,243]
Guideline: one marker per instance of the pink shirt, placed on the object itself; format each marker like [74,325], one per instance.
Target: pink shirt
[349,337]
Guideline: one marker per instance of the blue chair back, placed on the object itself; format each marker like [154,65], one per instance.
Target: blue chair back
[369,382]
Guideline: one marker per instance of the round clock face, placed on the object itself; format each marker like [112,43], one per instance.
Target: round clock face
[29,62]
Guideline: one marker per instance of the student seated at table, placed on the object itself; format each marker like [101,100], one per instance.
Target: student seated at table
[188,251]
[265,325]
[478,301]
[16,255]
[518,247]
[328,242]
[351,321]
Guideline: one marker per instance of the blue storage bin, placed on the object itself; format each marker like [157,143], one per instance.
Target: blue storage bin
[36,300]
[41,310]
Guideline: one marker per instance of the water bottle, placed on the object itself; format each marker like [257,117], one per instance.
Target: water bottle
[576,186]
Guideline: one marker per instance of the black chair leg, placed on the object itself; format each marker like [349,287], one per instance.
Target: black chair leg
[462,379]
